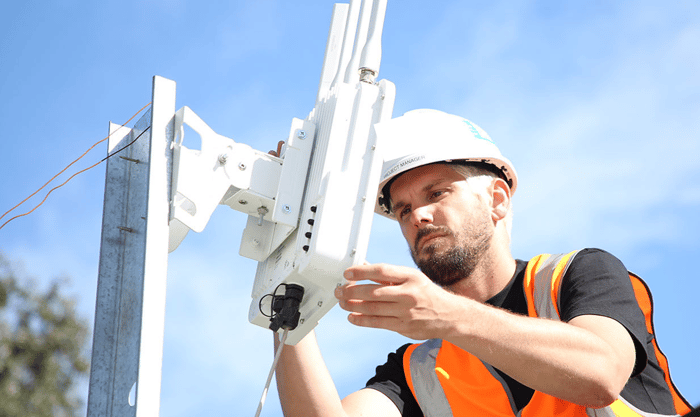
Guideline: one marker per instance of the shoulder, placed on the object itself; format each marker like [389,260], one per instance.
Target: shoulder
[595,280]
[591,260]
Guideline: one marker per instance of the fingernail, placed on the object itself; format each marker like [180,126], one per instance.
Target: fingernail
[348,274]
[338,292]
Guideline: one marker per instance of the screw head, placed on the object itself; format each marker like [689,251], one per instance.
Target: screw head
[242,202]
[223,158]
[301,134]
[286,208]
[241,166]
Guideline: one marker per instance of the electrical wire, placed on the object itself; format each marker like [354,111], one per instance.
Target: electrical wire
[272,372]
[68,166]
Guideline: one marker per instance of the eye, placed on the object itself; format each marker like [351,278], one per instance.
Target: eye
[436,194]
[405,211]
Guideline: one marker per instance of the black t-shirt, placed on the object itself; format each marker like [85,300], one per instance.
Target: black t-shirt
[595,283]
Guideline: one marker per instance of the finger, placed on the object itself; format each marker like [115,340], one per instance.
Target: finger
[372,308]
[365,292]
[381,273]
[376,322]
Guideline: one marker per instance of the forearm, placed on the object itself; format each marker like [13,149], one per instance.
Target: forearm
[304,384]
[560,359]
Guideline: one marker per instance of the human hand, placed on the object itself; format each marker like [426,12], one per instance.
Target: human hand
[401,299]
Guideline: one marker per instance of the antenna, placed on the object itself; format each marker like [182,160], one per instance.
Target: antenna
[309,210]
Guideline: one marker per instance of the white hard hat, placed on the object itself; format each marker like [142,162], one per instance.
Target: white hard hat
[422,137]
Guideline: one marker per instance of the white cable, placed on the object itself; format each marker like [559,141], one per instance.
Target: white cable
[272,372]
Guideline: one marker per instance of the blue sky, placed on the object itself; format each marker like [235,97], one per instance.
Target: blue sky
[596,103]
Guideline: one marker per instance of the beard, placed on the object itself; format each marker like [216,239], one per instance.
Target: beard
[458,262]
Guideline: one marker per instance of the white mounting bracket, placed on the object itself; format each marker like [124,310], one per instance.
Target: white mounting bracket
[265,187]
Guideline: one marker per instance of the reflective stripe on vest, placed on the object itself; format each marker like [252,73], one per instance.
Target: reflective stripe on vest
[423,363]
[447,381]
[542,285]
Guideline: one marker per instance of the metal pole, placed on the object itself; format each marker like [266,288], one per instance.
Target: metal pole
[127,348]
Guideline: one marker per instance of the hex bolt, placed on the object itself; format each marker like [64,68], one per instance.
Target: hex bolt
[262,211]
[223,158]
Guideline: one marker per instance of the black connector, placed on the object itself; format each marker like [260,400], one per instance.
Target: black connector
[286,308]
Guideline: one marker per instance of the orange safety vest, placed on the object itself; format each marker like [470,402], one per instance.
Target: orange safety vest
[448,381]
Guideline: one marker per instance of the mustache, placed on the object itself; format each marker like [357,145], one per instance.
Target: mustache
[429,230]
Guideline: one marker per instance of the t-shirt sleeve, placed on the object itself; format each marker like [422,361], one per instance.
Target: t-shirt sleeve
[390,380]
[597,283]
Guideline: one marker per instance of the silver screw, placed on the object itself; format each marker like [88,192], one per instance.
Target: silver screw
[301,134]
[262,211]
[301,321]
[286,208]
[241,166]
[320,303]
[223,158]
[353,252]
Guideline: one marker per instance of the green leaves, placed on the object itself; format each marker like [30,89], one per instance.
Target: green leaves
[43,346]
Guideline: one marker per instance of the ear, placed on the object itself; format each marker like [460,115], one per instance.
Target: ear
[500,199]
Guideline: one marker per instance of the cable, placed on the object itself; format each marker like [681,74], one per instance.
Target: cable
[272,372]
[69,165]
[71,177]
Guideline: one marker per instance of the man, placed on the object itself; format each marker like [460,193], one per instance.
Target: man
[560,335]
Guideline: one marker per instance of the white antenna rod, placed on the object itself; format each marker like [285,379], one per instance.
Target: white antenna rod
[348,39]
[334,46]
[351,73]
[372,52]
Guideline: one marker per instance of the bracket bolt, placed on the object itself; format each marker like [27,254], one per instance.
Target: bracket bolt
[223,158]
[262,211]
[286,208]
[301,134]
[241,166]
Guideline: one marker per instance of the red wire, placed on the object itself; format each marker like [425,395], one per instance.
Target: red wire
[62,171]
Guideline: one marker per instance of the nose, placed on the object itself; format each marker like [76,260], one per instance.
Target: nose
[420,216]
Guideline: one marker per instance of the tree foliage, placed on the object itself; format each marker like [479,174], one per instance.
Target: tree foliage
[42,348]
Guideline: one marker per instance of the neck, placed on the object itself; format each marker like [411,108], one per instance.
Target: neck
[491,275]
